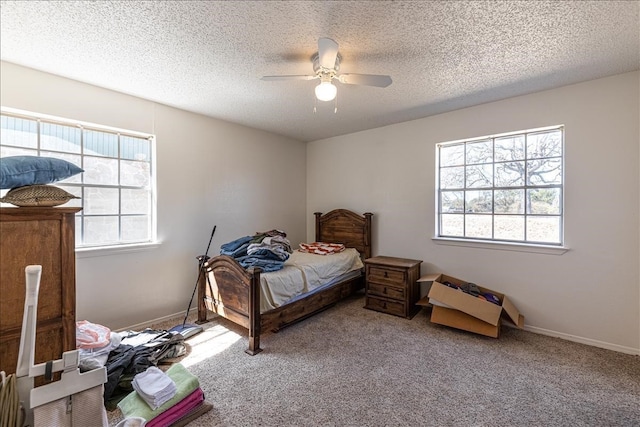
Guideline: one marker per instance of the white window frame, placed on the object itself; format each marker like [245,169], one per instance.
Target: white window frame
[81,187]
[496,243]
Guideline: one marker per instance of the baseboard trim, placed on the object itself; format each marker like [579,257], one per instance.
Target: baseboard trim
[582,340]
[140,326]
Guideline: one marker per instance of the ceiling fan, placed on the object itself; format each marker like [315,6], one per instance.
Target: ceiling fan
[326,63]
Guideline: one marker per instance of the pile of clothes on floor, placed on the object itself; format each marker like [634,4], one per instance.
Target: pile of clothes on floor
[135,384]
[267,250]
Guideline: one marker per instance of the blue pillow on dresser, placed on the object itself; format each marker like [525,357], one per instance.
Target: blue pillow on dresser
[19,171]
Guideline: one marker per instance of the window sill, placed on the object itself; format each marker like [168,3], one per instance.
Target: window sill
[89,252]
[502,246]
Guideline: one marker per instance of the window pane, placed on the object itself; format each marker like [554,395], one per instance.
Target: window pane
[511,183]
[100,230]
[135,148]
[509,227]
[72,158]
[479,201]
[76,191]
[509,148]
[116,190]
[135,174]
[57,137]
[98,143]
[510,174]
[135,229]
[78,230]
[452,177]
[13,151]
[479,152]
[452,202]
[480,176]
[509,201]
[478,226]
[543,229]
[544,200]
[101,201]
[544,171]
[545,144]
[18,132]
[452,155]
[99,170]
[135,201]
[452,225]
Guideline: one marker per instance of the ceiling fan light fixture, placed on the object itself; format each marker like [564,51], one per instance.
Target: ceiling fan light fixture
[326,91]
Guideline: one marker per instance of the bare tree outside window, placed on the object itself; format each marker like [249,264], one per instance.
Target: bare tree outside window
[502,188]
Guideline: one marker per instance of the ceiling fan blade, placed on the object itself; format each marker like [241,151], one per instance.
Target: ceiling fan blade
[291,77]
[327,52]
[365,79]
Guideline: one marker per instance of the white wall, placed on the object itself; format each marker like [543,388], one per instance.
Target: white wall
[589,294]
[210,172]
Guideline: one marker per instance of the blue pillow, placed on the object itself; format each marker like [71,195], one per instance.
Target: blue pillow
[18,171]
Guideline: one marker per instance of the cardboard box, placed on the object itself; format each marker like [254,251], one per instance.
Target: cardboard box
[452,307]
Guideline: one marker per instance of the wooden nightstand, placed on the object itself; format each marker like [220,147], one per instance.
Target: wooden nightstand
[391,285]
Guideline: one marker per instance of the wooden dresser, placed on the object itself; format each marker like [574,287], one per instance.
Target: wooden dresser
[392,285]
[37,236]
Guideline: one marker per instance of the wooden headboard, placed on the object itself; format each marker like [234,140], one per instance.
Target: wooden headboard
[346,227]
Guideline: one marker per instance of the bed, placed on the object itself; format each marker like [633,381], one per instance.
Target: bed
[235,293]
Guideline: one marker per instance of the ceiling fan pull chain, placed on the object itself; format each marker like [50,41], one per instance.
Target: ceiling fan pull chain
[335,105]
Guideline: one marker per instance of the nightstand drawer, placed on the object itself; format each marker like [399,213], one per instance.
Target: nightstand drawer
[386,291]
[386,275]
[386,306]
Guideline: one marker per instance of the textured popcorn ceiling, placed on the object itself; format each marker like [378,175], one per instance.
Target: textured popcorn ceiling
[208,56]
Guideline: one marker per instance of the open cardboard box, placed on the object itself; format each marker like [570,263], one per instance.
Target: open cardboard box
[452,307]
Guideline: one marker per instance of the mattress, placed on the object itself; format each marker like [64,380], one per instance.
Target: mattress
[304,273]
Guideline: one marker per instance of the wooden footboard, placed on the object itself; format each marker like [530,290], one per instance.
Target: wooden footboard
[232,292]
[227,289]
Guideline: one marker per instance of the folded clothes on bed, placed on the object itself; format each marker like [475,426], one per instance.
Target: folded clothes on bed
[321,248]
[236,248]
[265,264]
[186,383]
[267,250]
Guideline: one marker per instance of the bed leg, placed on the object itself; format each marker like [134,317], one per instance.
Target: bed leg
[254,312]
[254,346]
[202,292]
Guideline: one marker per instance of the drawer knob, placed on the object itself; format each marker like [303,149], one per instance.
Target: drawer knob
[386,274]
[384,290]
[384,305]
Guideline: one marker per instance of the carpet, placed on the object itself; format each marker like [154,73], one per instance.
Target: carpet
[349,366]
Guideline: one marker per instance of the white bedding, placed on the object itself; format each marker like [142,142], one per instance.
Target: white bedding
[303,273]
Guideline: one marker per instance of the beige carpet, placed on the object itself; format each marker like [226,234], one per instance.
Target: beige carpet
[349,366]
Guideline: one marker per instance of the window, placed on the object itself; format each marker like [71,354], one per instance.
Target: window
[503,188]
[116,190]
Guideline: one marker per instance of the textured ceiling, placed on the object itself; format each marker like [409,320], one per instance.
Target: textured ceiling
[208,56]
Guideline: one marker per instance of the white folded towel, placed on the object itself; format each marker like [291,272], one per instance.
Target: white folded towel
[154,387]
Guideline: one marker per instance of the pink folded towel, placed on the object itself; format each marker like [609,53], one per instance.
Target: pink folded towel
[178,410]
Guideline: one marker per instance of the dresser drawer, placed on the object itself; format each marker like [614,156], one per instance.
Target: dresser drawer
[386,291]
[386,275]
[391,307]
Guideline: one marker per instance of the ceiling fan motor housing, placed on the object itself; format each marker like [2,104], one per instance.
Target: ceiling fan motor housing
[318,70]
